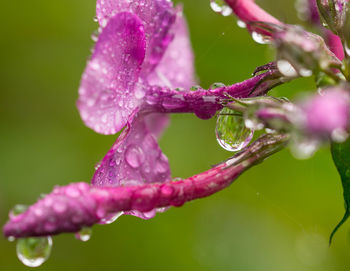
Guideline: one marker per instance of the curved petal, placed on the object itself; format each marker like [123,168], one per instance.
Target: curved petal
[176,69]
[106,93]
[157,15]
[135,158]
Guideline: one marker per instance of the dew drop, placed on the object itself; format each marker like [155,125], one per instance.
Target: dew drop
[134,156]
[17,210]
[196,87]
[221,7]
[286,68]
[304,148]
[347,49]
[33,252]
[84,234]
[241,24]
[339,135]
[111,219]
[231,132]
[259,38]
[217,85]
[305,72]
[94,36]
[11,238]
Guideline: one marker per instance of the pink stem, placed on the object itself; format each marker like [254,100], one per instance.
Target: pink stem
[69,208]
[248,11]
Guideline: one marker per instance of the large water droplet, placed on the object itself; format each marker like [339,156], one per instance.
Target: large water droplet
[34,252]
[286,68]
[231,132]
[84,234]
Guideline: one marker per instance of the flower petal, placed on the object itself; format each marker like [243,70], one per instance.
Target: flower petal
[106,97]
[135,158]
[157,15]
[176,69]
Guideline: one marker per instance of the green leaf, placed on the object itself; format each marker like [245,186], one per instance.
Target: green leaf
[341,158]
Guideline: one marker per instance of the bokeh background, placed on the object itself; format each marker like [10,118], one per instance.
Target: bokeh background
[277,216]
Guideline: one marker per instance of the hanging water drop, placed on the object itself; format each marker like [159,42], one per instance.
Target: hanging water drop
[84,234]
[220,6]
[231,132]
[33,252]
[112,218]
[286,68]
[259,38]
[305,72]
[241,24]
[303,148]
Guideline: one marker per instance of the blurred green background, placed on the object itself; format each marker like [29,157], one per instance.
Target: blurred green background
[277,216]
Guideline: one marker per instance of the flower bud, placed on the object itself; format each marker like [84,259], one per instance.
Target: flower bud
[304,51]
[328,114]
[333,14]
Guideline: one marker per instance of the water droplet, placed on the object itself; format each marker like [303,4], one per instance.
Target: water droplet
[259,38]
[217,85]
[17,210]
[220,6]
[134,156]
[304,148]
[241,24]
[226,11]
[286,68]
[231,132]
[194,88]
[111,219]
[339,135]
[11,238]
[179,89]
[34,252]
[305,72]
[94,36]
[347,49]
[84,234]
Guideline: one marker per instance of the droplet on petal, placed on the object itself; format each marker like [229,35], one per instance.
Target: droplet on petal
[217,85]
[33,252]
[17,210]
[84,234]
[231,132]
